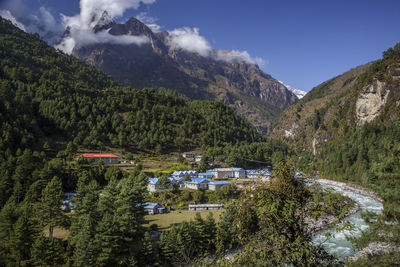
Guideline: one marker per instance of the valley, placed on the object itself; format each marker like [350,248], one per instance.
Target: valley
[139,149]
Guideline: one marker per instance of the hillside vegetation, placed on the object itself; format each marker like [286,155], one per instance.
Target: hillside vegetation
[45,93]
[310,116]
[351,132]
[51,106]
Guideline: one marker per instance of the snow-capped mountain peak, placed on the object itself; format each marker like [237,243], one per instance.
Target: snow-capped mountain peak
[299,93]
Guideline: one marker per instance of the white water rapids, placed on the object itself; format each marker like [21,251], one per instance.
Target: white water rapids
[338,244]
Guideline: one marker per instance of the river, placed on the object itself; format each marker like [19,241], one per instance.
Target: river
[337,244]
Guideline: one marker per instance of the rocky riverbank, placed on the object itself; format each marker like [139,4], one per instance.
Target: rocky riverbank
[357,189]
[325,222]
[375,248]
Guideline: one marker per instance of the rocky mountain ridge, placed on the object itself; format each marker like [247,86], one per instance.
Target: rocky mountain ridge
[255,95]
[342,104]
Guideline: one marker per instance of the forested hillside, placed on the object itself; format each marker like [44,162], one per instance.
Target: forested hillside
[46,92]
[51,105]
[353,135]
[369,153]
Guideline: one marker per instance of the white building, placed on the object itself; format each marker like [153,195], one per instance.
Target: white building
[253,174]
[217,184]
[197,183]
[184,173]
[107,158]
[238,173]
[198,207]
[206,175]
[153,208]
[153,185]
[189,155]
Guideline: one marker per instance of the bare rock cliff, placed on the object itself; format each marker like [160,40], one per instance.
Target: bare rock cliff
[371,101]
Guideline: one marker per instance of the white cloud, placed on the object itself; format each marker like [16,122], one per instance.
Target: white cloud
[92,12]
[40,21]
[93,9]
[189,40]
[6,14]
[154,28]
[146,18]
[238,56]
[81,37]
[45,24]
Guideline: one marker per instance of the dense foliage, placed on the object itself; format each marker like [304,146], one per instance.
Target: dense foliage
[268,222]
[368,155]
[45,92]
[264,225]
[182,198]
[51,105]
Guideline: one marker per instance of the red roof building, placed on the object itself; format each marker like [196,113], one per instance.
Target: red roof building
[107,158]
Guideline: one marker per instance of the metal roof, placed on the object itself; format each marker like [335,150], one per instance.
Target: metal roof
[198,181]
[99,155]
[151,205]
[219,182]
[153,180]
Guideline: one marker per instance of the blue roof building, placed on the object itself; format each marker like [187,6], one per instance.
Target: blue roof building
[153,180]
[206,175]
[197,183]
[184,173]
[228,173]
[153,208]
[217,184]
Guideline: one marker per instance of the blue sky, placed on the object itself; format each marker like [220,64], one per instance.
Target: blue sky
[303,43]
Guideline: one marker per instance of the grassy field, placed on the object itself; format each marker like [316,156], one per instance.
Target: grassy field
[58,232]
[166,220]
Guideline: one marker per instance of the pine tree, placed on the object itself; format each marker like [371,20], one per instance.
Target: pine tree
[210,232]
[22,237]
[84,222]
[108,241]
[47,252]
[149,254]
[200,232]
[8,218]
[49,212]
[167,251]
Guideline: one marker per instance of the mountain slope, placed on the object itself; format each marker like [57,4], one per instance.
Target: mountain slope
[47,96]
[348,129]
[254,94]
[305,121]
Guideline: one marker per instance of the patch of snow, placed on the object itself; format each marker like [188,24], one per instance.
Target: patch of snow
[299,93]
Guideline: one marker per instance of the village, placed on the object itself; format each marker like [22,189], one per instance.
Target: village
[211,180]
